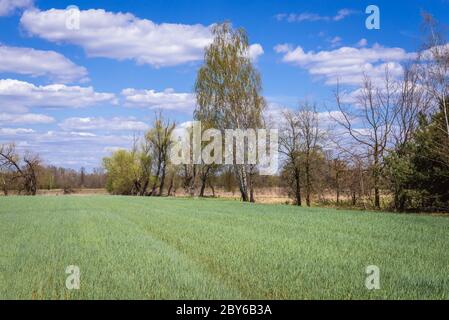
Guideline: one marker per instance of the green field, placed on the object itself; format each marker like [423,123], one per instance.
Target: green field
[151,248]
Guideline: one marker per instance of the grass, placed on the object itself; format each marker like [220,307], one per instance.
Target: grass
[149,248]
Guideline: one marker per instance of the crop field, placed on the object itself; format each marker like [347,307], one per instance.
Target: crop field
[166,248]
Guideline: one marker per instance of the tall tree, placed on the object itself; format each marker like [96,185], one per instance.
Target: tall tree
[290,148]
[369,122]
[413,101]
[434,70]
[310,135]
[228,90]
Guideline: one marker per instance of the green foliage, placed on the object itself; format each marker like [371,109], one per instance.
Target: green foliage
[400,170]
[419,172]
[228,92]
[228,87]
[431,162]
[123,170]
[166,248]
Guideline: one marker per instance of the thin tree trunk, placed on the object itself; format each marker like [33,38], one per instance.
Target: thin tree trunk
[298,187]
[170,186]
[376,182]
[204,176]
[161,187]
[251,190]
[144,188]
[4,187]
[243,182]
[377,197]
[308,183]
[337,185]
[158,171]
[212,188]
[203,187]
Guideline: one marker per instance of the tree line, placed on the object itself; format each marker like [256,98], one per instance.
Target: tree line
[25,173]
[385,146]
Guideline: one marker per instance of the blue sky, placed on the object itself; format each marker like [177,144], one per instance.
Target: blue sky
[62,90]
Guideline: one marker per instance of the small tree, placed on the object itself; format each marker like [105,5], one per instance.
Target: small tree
[311,136]
[159,142]
[23,168]
[290,147]
[123,173]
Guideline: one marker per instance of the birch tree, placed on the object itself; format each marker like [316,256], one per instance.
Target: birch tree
[228,90]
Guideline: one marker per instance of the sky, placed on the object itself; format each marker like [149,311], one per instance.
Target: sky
[74,92]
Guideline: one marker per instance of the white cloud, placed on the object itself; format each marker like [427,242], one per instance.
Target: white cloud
[282,48]
[343,13]
[36,63]
[27,118]
[82,134]
[331,118]
[362,43]
[15,131]
[9,6]
[122,36]
[112,124]
[166,100]
[347,64]
[112,149]
[335,41]
[20,95]
[274,115]
[72,149]
[312,17]
[255,51]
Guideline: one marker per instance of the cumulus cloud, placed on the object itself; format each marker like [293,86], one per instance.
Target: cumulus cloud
[21,95]
[255,51]
[122,36]
[347,64]
[166,100]
[32,62]
[9,6]
[27,118]
[312,17]
[112,124]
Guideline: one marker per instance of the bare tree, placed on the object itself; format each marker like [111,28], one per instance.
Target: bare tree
[289,146]
[310,135]
[189,175]
[338,169]
[434,69]
[369,122]
[5,180]
[412,100]
[25,168]
[433,61]
[206,171]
